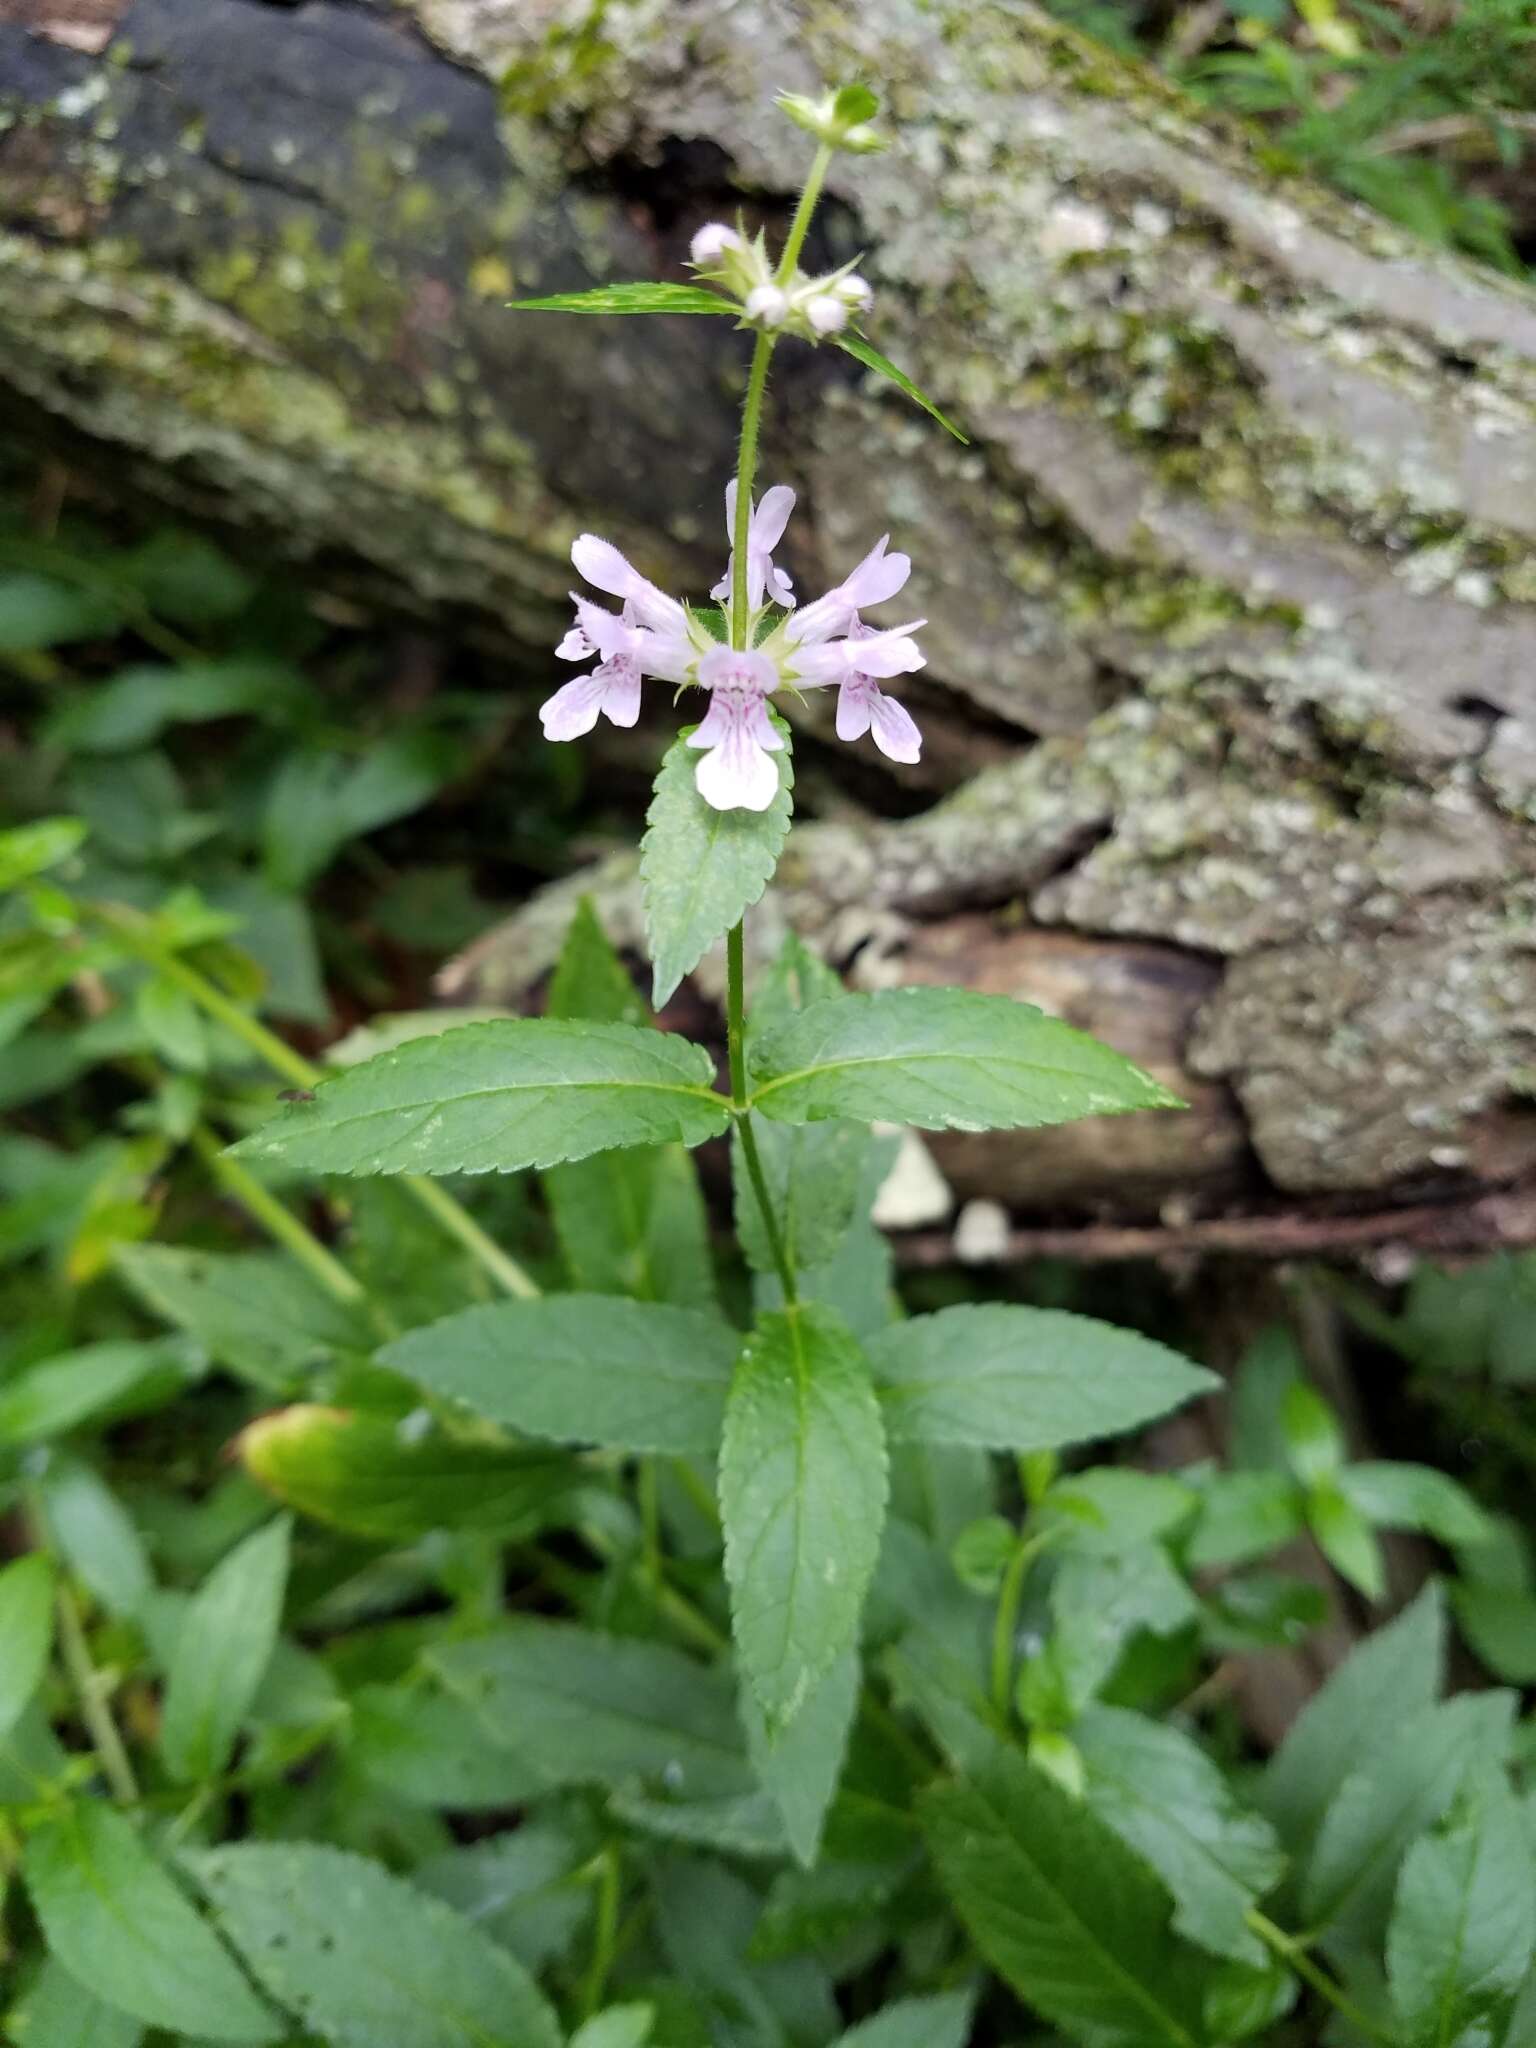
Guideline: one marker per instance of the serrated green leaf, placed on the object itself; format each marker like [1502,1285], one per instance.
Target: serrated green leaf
[630,1222]
[1379,1810]
[1464,1922]
[1244,1515]
[27,850]
[430,1749]
[813,1173]
[40,611]
[26,1633]
[138,703]
[173,1023]
[581,1368]
[517,1887]
[1167,1800]
[589,1709]
[866,353]
[58,2012]
[381,1479]
[943,1059]
[799,1767]
[1073,1920]
[630,298]
[95,1535]
[494,1098]
[1384,1681]
[634,1223]
[256,1313]
[802,1497]
[1314,1442]
[590,980]
[705,1916]
[223,1649]
[366,1957]
[1346,1539]
[94,1384]
[620,2026]
[1010,1378]
[942,2021]
[701,869]
[117,1923]
[1406,1496]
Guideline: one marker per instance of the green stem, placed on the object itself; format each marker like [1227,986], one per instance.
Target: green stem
[735,1039]
[810,192]
[1291,1951]
[1005,1628]
[84,1678]
[757,384]
[278,1222]
[605,1934]
[746,470]
[128,929]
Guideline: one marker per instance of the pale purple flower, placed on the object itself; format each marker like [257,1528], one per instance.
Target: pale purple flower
[737,771]
[765,529]
[810,648]
[863,707]
[876,578]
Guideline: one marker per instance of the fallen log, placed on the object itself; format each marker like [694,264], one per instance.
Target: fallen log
[1230,708]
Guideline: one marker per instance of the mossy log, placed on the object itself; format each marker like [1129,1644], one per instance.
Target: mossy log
[1231,704]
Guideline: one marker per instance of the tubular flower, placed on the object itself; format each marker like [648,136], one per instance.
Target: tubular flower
[804,648]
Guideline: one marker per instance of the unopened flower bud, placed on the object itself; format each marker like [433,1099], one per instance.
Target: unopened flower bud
[711,243]
[767,303]
[826,313]
[853,291]
[840,118]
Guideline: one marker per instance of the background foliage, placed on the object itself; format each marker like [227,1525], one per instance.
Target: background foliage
[355,1688]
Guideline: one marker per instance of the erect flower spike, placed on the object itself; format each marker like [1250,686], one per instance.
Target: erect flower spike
[820,644]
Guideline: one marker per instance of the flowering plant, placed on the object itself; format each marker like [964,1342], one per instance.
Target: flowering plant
[828,1682]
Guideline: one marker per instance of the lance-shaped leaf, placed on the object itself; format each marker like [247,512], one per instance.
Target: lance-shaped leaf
[497,1097]
[373,1477]
[581,1368]
[588,1709]
[1166,1799]
[26,1633]
[366,1957]
[1009,1378]
[631,1222]
[1464,1924]
[803,1485]
[1062,1909]
[864,352]
[223,1648]
[117,1922]
[701,869]
[944,1059]
[630,298]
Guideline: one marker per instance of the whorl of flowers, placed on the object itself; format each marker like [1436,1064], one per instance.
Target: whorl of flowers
[812,307]
[786,645]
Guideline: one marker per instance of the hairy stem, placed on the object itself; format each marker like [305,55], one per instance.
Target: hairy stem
[85,1680]
[735,1038]
[746,469]
[810,192]
[279,1223]
[1291,1951]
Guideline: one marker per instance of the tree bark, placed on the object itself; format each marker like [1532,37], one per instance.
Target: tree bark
[1231,704]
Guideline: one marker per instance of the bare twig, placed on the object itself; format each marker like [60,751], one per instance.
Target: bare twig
[1505,1221]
